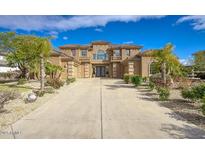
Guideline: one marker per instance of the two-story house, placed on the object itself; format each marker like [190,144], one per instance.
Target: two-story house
[101,59]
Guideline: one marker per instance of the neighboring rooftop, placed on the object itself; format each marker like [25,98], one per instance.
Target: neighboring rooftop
[199,52]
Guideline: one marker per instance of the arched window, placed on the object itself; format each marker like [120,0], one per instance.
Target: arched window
[153,68]
[100,55]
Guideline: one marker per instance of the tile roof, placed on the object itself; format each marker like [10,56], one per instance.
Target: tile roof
[111,46]
[74,46]
[149,52]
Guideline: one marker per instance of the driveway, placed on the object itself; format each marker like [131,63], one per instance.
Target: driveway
[101,108]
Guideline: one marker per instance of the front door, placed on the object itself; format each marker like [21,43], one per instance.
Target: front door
[100,71]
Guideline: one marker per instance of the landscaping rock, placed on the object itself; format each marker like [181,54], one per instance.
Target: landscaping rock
[31,97]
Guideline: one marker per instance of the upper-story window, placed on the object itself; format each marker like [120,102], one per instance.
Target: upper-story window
[127,52]
[73,52]
[116,53]
[100,55]
[84,53]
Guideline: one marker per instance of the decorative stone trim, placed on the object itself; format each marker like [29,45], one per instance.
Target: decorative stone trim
[70,69]
[130,68]
[114,70]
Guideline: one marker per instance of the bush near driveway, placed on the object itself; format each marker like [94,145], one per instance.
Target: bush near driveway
[55,83]
[70,80]
[136,80]
[203,105]
[163,92]
[126,78]
[196,93]
[157,80]
[188,94]
[151,85]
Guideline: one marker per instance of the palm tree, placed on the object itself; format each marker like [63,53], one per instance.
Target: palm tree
[43,50]
[168,62]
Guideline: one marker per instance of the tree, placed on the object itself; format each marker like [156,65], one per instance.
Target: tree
[168,63]
[199,61]
[23,53]
[27,52]
[54,71]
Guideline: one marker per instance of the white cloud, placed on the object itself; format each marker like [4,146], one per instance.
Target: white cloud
[65,37]
[128,42]
[54,34]
[187,62]
[198,22]
[98,30]
[63,23]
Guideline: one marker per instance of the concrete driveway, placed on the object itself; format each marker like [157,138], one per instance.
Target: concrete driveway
[101,108]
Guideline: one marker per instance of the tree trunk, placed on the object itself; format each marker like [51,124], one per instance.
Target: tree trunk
[25,73]
[42,72]
[163,71]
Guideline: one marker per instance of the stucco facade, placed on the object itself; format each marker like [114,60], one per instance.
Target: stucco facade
[101,59]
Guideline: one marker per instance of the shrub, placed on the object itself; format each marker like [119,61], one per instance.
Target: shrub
[195,93]
[203,105]
[55,83]
[136,80]
[151,85]
[22,81]
[126,78]
[157,80]
[145,79]
[70,80]
[6,96]
[199,91]
[188,94]
[163,92]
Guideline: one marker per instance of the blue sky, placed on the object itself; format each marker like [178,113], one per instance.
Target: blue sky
[187,33]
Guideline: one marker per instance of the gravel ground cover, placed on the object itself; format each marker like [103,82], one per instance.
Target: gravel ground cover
[182,109]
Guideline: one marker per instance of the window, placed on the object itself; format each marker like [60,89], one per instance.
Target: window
[73,52]
[84,53]
[127,52]
[116,53]
[100,55]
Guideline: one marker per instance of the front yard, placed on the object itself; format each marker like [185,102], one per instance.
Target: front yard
[15,109]
[182,109]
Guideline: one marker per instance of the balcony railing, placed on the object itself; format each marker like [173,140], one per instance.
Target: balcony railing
[84,58]
[116,58]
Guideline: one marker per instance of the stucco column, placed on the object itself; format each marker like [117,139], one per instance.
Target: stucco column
[87,68]
[114,70]
[70,69]
[130,68]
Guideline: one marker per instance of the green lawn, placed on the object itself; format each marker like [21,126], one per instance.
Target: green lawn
[19,88]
